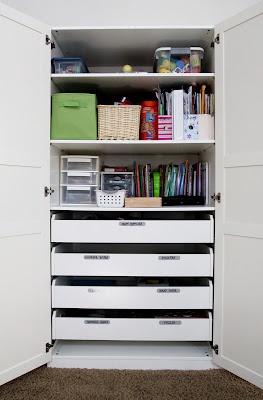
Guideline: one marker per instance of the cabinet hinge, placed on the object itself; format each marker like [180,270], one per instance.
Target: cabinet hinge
[48,191]
[49,41]
[215,348]
[217,197]
[216,40]
[48,347]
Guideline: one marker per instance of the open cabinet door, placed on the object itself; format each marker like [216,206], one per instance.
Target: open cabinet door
[238,310]
[24,209]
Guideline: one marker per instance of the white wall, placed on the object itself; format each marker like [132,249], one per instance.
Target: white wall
[130,12]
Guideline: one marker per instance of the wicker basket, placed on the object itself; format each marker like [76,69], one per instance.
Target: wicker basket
[118,122]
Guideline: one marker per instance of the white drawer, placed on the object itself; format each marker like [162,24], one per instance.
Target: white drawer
[150,329]
[199,230]
[132,260]
[79,293]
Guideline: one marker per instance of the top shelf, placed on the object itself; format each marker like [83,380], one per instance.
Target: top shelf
[116,46]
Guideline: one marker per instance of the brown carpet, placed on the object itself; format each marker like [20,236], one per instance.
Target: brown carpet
[83,384]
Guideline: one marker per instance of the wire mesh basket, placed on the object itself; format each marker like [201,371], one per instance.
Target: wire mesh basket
[118,122]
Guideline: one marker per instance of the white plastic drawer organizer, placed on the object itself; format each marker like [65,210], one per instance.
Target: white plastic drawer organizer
[79,179]
[129,293]
[198,229]
[68,325]
[74,259]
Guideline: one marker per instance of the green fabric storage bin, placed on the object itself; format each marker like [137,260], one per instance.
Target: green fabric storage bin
[74,116]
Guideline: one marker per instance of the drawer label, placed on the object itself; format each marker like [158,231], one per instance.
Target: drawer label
[164,258]
[170,322]
[94,257]
[168,290]
[96,322]
[132,223]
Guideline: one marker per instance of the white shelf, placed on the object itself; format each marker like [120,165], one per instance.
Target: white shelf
[132,355]
[99,147]
[121,209]
[118,45]
[127,82]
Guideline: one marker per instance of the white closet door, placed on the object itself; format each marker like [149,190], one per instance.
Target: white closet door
[238,309]
[24,210]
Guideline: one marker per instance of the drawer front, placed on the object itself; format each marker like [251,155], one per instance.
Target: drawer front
[124,297]
[101,264]
[193,329]
[148,231]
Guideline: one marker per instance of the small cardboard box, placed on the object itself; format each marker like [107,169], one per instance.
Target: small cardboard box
[165,128]
[143,202]
[199,127]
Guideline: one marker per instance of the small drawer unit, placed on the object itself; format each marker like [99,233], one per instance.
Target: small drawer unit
[118,181]
[132,293]
[118,259]
[148,325]
[79,179]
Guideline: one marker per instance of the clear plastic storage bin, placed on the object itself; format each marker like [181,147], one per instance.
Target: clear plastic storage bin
[68,65]
[118,181]
[178,60]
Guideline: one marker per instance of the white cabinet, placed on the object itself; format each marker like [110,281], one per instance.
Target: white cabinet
[235,160]
[147,259]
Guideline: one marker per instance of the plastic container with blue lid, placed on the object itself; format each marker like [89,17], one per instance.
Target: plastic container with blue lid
[68,65]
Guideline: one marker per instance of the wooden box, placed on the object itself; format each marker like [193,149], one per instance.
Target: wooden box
[143,202]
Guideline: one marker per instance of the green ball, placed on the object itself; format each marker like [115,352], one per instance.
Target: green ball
[127,68]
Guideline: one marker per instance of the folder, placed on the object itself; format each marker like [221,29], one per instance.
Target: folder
[178,114]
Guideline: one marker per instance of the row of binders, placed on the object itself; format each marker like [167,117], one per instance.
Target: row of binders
[186,179]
